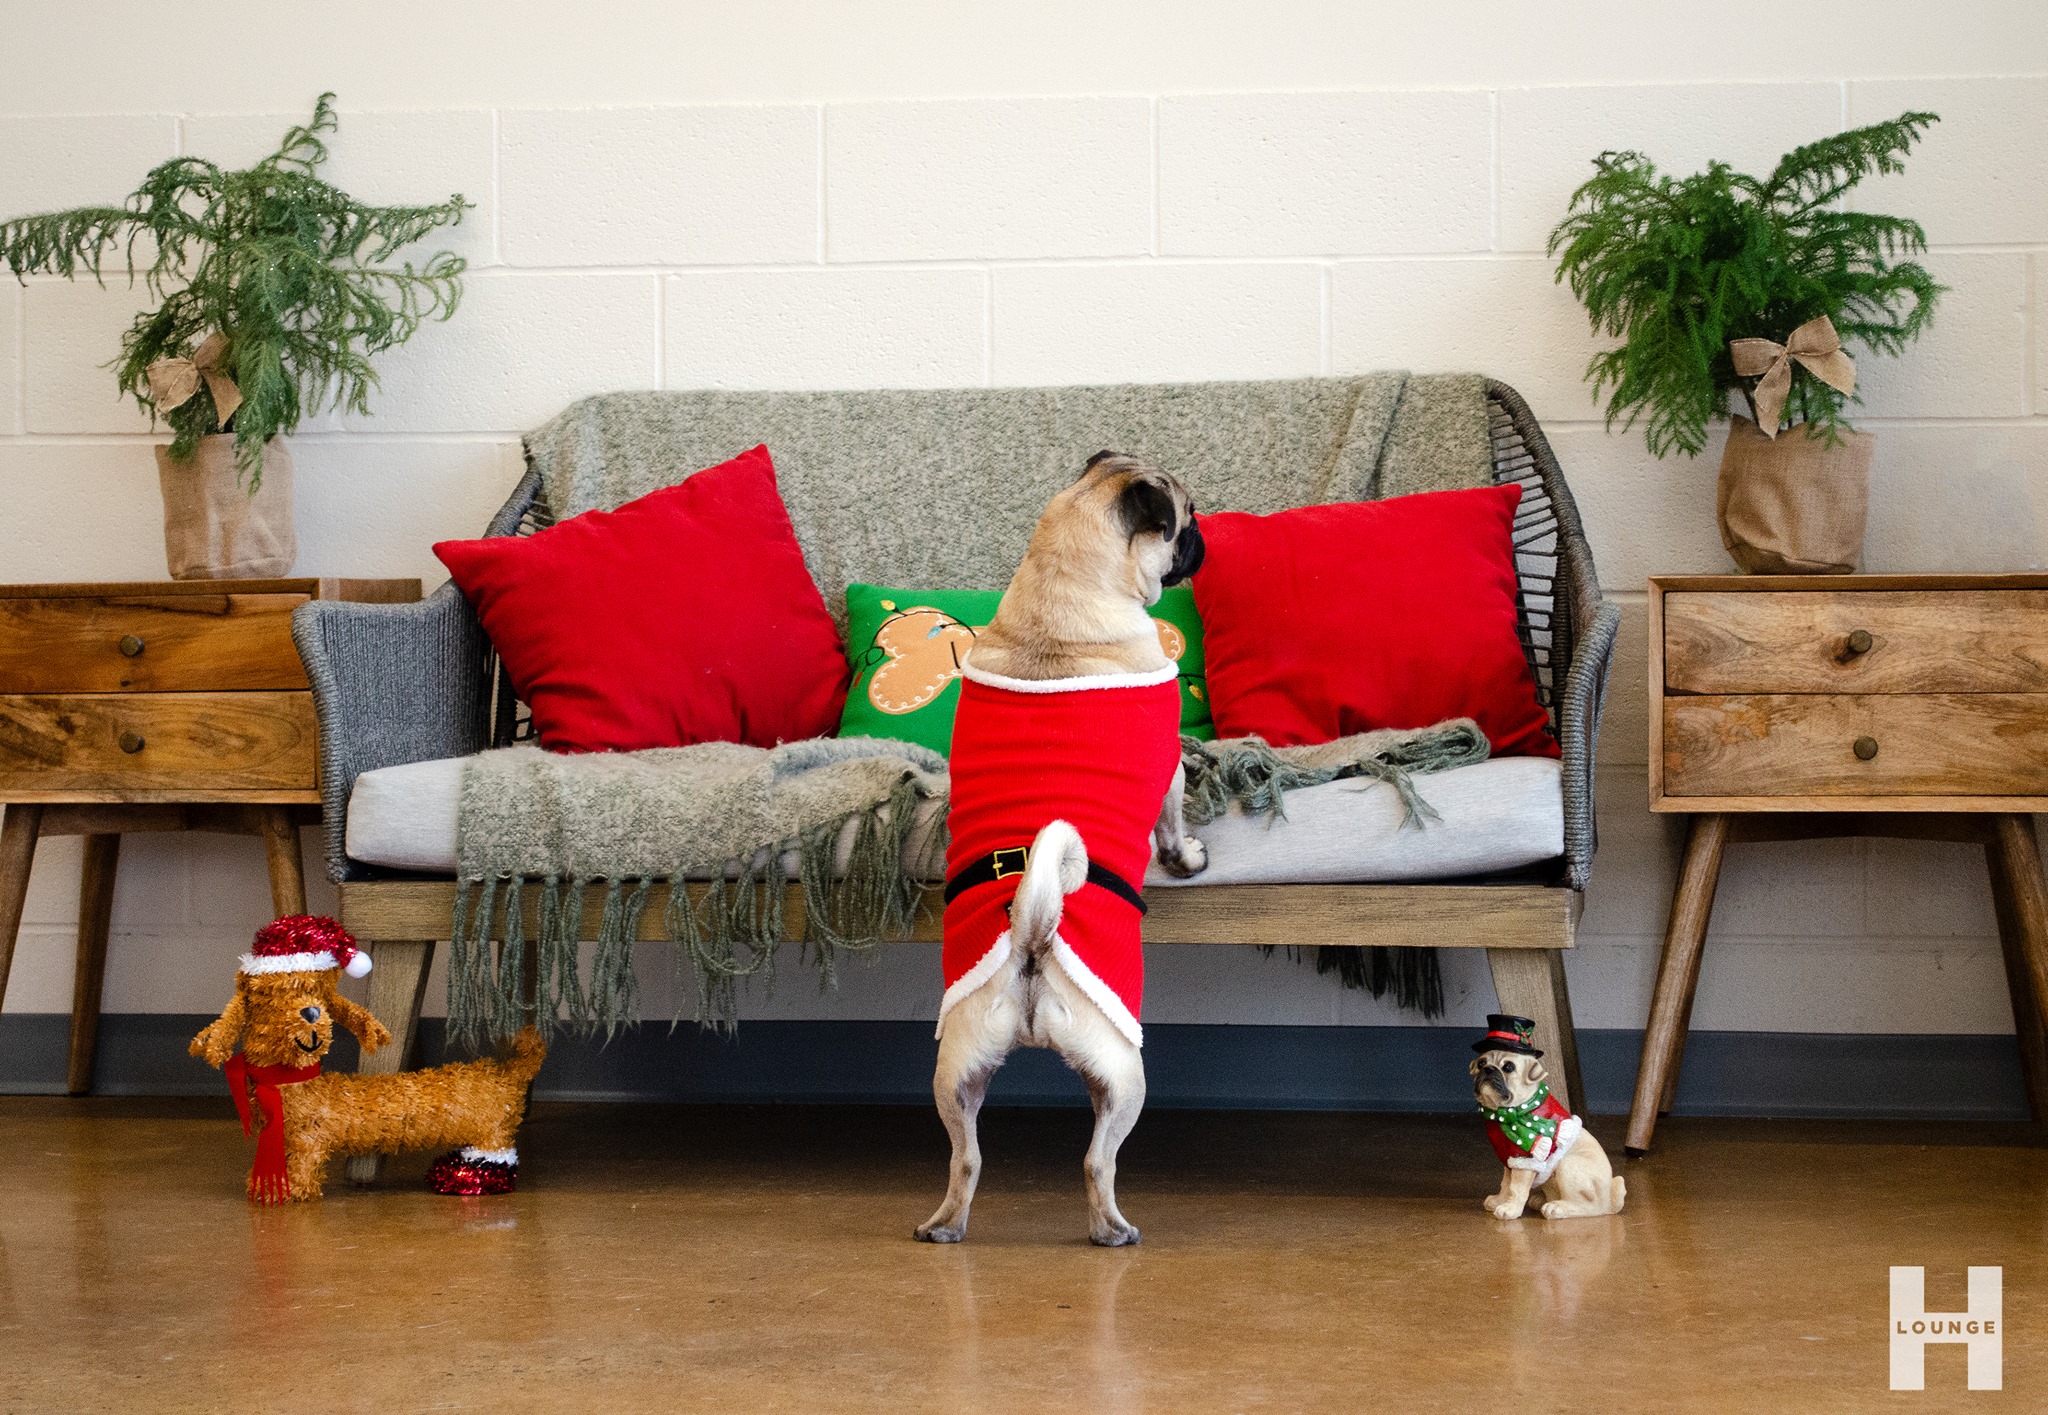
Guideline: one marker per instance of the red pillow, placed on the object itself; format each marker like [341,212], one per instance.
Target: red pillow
[1329,620]
[685,616]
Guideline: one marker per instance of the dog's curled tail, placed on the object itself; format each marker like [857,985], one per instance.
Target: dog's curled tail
[528,1052]
[1058,867]
[1617,1194]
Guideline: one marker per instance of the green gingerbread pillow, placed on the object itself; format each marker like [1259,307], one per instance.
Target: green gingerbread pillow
[906,645]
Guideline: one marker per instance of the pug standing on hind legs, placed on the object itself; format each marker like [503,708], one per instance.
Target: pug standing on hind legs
[1540,1143]
[1065,777]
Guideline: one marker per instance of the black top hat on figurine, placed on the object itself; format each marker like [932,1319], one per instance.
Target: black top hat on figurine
[1508,1033]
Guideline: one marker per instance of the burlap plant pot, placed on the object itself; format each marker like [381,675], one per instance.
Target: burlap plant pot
[213,528]
[1794,505]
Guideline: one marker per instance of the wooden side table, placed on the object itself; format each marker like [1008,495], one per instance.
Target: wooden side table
[1789,707]
[179,705]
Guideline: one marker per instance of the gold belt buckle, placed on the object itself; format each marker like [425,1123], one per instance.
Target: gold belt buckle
[1010,862]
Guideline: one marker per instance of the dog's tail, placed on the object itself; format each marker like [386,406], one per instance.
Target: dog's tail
[1617,1194]
[528,1052]
[1058,867]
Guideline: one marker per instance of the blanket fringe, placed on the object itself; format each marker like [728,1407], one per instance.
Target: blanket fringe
[721,930]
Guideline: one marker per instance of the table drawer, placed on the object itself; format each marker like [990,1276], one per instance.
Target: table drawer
[155,742]
[1913,641]
[149,643]
[1778,745]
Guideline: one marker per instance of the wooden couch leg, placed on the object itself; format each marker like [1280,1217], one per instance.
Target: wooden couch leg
[1530,983]
[398,985]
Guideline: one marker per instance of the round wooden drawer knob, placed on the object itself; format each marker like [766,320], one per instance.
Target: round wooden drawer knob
[131,742]
[131,647]
[1860,641]
[1866,748]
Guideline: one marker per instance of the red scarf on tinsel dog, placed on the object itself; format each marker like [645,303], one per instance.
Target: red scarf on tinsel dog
[268,1183]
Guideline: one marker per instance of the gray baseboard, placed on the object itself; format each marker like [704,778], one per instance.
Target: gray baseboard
[1200,1067]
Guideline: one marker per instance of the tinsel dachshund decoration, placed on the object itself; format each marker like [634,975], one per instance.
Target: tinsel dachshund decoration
[269,1042]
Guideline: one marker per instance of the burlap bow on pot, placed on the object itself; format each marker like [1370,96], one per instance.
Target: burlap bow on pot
[172,382]
[1816,346]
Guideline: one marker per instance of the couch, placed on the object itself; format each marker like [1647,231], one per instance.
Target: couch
[404,692]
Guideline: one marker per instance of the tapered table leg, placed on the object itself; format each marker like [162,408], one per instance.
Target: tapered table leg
[18,834]
[1692,906]
[89,978]
[2021,900]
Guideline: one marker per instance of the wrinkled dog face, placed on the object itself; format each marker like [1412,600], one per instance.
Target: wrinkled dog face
[1150,512]
[1505,1078]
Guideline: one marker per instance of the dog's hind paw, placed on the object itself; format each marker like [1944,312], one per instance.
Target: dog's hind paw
[939,1233]
[1114,1235]
[1185,860]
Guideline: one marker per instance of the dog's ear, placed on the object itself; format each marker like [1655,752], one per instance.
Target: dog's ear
[1145,506]
[1538,1072]
[368,1030]
[218,1041]
[1473,1068]
[1103,456]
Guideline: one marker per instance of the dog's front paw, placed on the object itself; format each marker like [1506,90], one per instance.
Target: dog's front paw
[1491,1202]
[1505,1209]
[1185,860]
[1113,1234]
[939,1233]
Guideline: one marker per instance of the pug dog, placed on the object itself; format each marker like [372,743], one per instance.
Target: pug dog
[1539,1141]
[1066,778]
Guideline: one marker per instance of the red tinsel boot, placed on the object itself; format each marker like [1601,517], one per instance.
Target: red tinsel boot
[470,1171]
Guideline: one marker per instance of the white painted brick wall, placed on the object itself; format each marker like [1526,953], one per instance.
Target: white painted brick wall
[1253,174]
[10,358]
[660,186]
[520,348]
[50,163]
[826,328]
[1156,323]
[1501,314]
[1013,179]
[1980,176]
[833,236]
[71,330]
[1549,137]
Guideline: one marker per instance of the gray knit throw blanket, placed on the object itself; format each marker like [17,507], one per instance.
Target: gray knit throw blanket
[726,815]
[857,821]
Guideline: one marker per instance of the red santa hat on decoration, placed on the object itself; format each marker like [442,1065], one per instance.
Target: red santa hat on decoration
[305,943]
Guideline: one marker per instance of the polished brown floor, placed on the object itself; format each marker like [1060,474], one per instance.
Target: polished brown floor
[729,1259]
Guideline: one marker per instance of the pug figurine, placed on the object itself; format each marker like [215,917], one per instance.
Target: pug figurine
[1537,1139]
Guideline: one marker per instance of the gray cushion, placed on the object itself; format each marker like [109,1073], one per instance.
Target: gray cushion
[1495,816]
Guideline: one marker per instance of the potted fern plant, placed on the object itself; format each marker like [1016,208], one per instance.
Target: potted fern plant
[275,290]
[1721,284]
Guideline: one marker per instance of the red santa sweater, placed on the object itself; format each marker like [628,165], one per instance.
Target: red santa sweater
[1096,752]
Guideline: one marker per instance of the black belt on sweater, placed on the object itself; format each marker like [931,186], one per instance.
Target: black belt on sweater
[1001,864]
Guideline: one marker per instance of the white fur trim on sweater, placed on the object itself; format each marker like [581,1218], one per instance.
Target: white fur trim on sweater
[1544,1162]
[1099,992]
[289,962]
[1069,685]
[984,968]
[474,1155]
